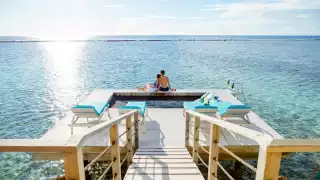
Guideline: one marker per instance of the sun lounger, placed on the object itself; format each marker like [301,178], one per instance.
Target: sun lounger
[200,106]
[93,106]
[141,106]
[226,109]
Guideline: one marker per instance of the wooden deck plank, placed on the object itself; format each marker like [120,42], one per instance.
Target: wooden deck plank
[166,161]
[164,170]
[162,177]
[164,156]
[237,139]
[162,153]
[161,165]
[162,150]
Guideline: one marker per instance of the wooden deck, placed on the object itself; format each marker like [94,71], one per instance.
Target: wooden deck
[166,127]
[163,164]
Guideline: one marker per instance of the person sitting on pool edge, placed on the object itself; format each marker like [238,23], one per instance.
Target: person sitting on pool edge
[164,82]
[155,85]
[157,82]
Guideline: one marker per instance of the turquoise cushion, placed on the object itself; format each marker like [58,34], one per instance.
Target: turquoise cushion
[97,106]
[223,107]
[136,105]
[197,105]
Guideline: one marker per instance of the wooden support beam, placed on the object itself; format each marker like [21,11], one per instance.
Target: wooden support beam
[271,171]
[115,152]
[214,151]
[294,145]
[73,165]
[136,127]
[35,145]
[187,125]
[195,138]
[129,139]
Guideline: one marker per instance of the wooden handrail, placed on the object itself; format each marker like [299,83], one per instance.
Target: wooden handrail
[225,171]
[35,145]
[238,158]
[95,159]
[105,125]
[294,145]
[261,138]
[270,150]
[72,148]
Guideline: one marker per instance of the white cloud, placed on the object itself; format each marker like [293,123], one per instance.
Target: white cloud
[114,6]
[251,9]
[302,16]
[162,17]
[134,19]
[196,17]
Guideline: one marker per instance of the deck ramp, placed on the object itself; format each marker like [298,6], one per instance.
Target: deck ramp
[163,163]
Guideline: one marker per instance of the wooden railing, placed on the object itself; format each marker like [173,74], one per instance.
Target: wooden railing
[72,148]
[270,150]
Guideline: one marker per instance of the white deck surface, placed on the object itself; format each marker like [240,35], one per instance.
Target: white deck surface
[165,126]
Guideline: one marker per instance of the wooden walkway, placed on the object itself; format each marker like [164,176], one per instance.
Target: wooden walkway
[163,163]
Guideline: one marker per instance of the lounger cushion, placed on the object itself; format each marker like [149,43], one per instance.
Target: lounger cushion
[197,105]
[97,106]
[226,107]
[136,105]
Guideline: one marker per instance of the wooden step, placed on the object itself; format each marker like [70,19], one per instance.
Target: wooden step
[167,161]
[164,156]
[161,153]
[162,150]
[143,165]
[164,170]
[162,177]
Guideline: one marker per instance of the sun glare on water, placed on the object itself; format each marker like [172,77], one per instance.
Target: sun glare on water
[64,59]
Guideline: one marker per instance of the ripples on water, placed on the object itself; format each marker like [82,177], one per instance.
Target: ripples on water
[39,82]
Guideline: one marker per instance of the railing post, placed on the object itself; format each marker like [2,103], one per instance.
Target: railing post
[136,127]
[187,127]
[271,171]
[195,149]
[73,164]
[129,139]
[214,151]
[115,152]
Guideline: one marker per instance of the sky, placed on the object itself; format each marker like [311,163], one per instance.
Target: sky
[78,19]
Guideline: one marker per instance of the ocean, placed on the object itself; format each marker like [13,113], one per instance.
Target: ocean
[40,80]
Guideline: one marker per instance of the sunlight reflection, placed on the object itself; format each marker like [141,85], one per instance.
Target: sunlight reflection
[64,59]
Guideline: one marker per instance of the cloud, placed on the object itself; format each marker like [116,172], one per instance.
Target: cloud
[134,19]
[114,6]
[162,17]
[302,16]
[196,17]
[251,9]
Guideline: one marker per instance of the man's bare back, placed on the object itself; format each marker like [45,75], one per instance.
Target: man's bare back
[164,82]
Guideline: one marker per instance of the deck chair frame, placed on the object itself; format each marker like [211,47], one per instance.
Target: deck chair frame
[89,113]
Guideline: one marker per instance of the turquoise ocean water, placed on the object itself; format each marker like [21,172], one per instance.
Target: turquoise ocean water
[40,80]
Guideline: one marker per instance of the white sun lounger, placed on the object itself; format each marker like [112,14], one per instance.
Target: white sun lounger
[141,106]
[93,106]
